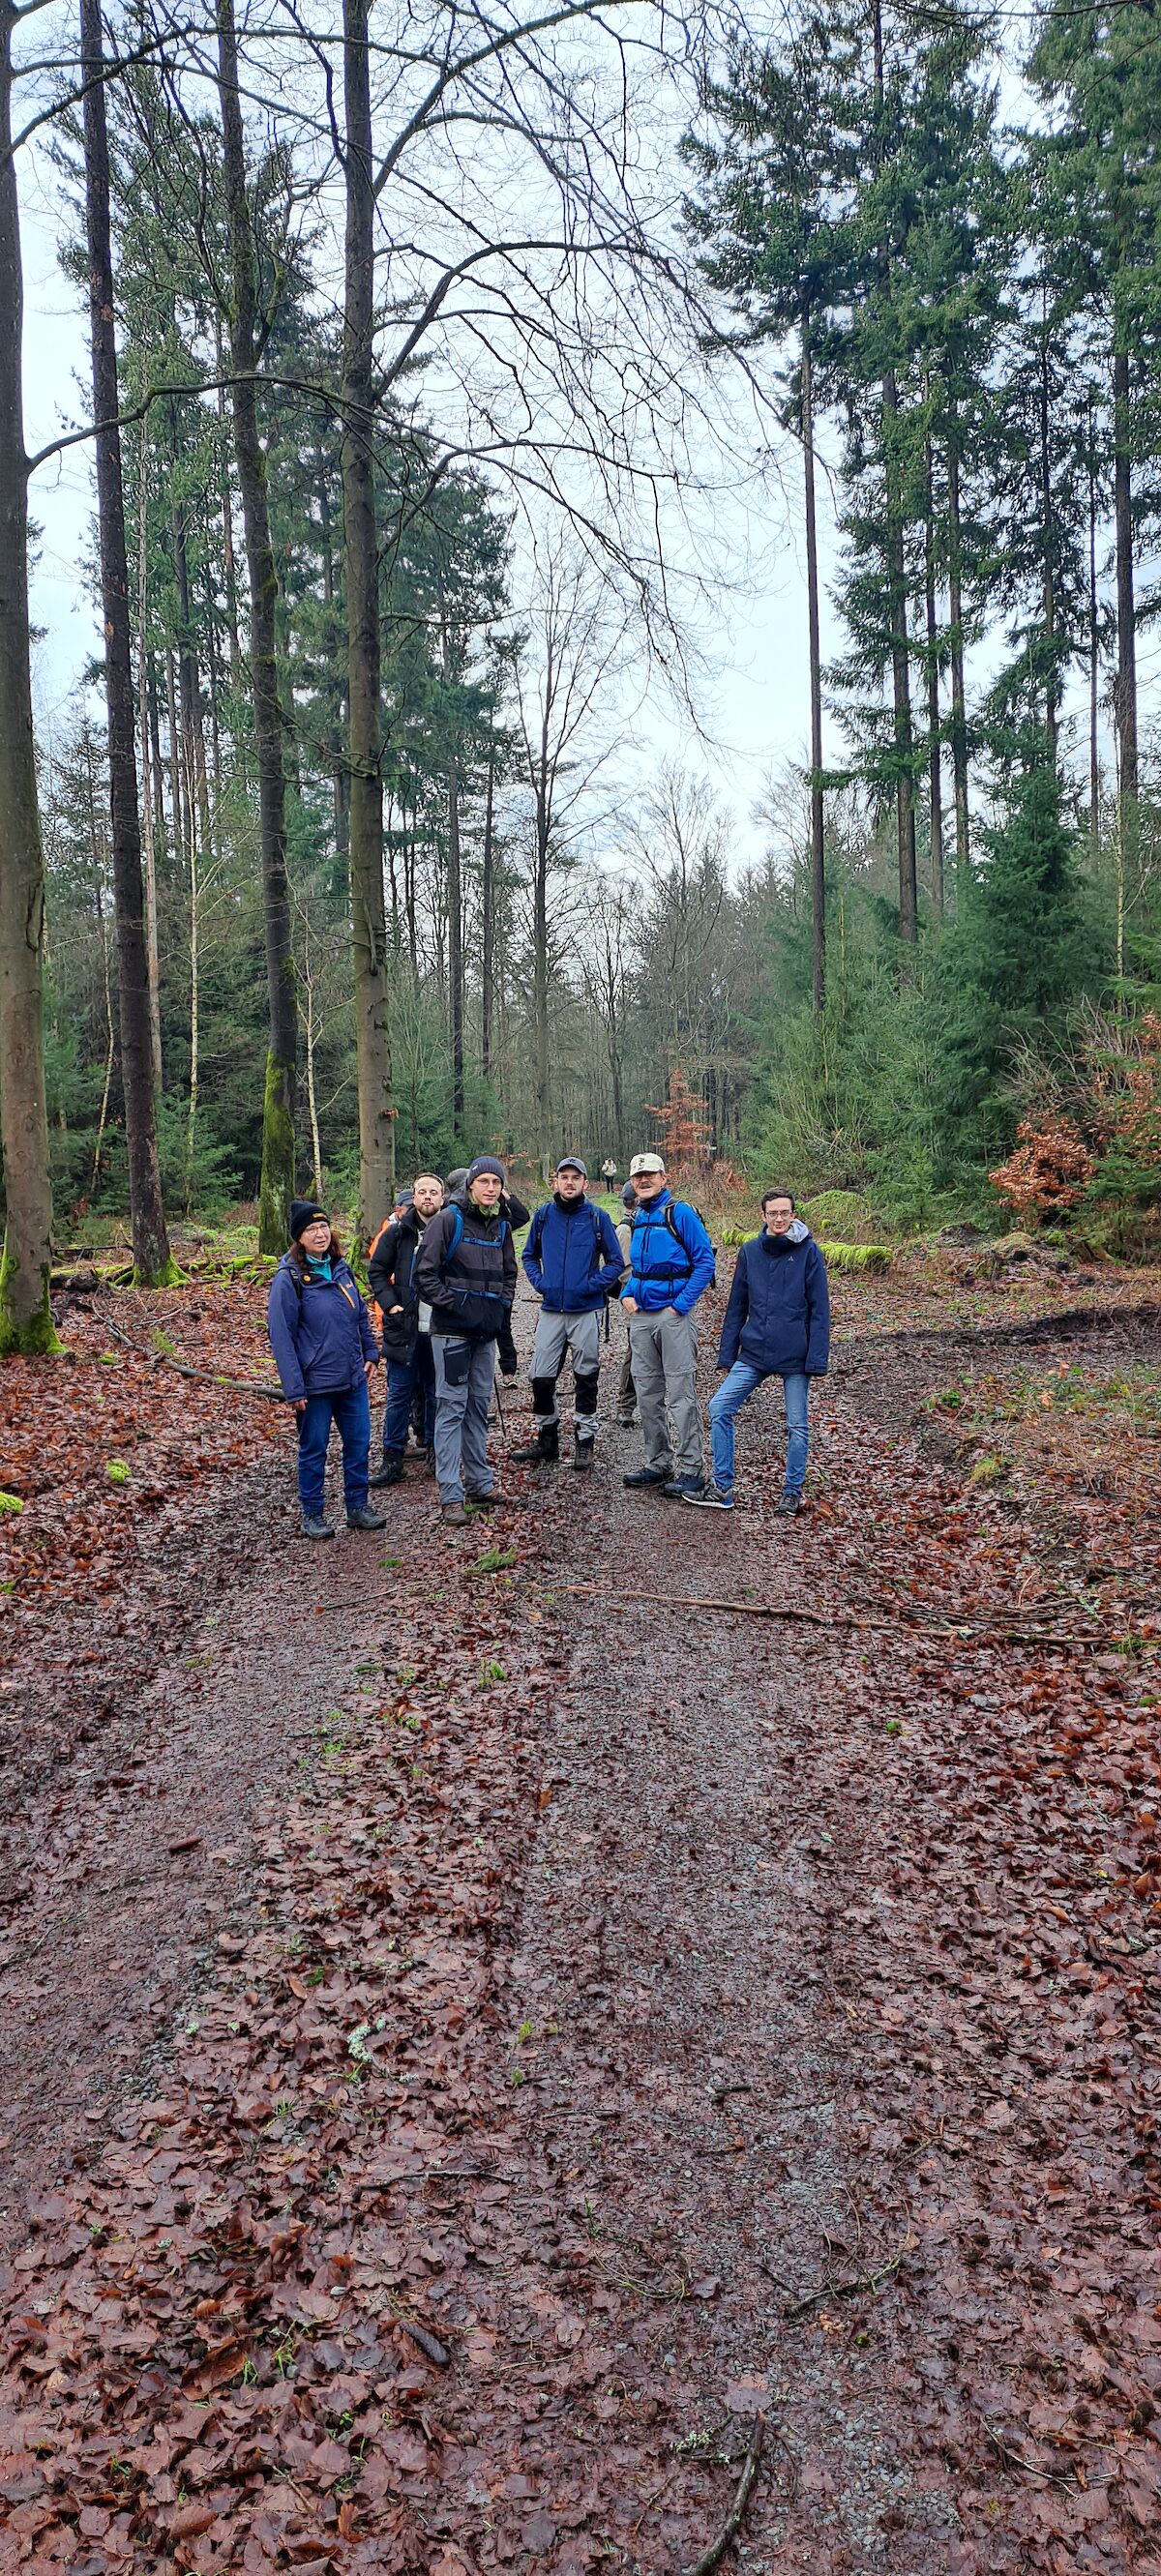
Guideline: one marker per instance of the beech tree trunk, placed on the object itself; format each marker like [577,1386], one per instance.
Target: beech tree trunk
[959,761]
[278,1105]
[934,742]
[1126,687]
[365,818]
[488,901]
[152,1267]
[25,1318]
[817,816]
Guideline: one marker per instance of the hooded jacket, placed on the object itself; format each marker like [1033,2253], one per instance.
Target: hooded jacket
[778,1316]
[664,1271]
[472,1291]
[391,1273]
[572,1256]
[320,1331]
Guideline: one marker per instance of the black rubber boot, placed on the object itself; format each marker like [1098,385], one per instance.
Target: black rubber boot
[541,1452]
[391,1471]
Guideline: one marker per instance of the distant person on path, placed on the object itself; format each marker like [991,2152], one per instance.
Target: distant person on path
[671,1261]
[608,1172]
[777,1324]
[320,1334]
[406,1351]
[626,1391]
[465,1270]
[573,1260]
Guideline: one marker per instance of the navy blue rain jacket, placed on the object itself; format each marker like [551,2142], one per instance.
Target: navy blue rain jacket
[572,1256]
[663,1272]
[778,1317]
[320,1332]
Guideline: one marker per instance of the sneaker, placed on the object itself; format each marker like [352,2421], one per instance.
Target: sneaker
[647,1476]
[366,1519]
[391,1471]
[711,1499]
[684,1489]
[455,1515]
[788,1505]
[313,1526]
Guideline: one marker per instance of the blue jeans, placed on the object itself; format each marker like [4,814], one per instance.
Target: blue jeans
[403,1377]
[349,1408]
[735,1391]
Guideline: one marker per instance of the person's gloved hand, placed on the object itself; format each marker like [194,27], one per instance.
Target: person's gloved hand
[506,1349]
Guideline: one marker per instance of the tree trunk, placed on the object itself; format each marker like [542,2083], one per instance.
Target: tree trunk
[900,672]
[148,817]
[488,901]
[540,984]
[455,944]
[1048,578]
[372,1032]
[934,742]
[25,1319]
[1094,765]
[152,1267]
[959,764]
[817,816]
[277,1184]
[1126,688]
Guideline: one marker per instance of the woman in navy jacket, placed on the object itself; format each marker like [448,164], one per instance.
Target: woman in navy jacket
[777,1324]
[320,1334]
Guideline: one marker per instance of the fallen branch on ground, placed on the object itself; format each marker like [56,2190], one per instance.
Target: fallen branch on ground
[862,2283]
[713,2556]
[966,1628]
[209,1377]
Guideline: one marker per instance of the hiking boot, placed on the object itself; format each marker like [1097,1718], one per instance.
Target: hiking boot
[647,1476]
[711,1499]
[391,1471]
[366,1519]
[455,1515]
[788,1505]
[628,1421]
[541,1452]
[314,1526]
[583,1455]
[684,1489]
[483,1502]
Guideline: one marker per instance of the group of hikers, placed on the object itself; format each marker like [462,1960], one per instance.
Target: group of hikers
[443,1276]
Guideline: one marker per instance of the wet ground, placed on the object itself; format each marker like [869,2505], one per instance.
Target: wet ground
[482,2059]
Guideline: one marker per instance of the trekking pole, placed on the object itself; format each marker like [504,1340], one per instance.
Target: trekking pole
[500,1406]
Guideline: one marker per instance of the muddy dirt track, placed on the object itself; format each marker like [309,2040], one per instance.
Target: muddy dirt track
[483,2060]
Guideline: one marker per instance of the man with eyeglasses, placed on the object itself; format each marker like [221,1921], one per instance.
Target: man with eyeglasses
[671,1262]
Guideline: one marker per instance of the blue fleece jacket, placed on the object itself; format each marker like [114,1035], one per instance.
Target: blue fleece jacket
[662,1271]
[572,1256]
[778,1317]
[320,1332]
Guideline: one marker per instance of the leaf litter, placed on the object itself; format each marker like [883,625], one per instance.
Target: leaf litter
[838,2098]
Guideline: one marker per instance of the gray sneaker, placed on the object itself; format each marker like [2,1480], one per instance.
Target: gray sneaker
[788,1505]
[711,1499]
[313,1526]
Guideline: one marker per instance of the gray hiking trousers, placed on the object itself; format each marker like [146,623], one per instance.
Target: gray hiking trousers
[556,1336]
[661,1348]
[464,1376]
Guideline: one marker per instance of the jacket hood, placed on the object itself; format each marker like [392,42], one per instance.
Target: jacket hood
[796,1232]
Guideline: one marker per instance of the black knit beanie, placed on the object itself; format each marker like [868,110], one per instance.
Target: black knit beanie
[303,1213]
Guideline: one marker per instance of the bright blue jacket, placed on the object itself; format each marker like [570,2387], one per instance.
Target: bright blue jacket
[572,1256]
[320,1331]
[663,1272]
[778,1317]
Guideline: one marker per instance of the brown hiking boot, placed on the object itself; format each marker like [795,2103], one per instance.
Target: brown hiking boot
[454,1515]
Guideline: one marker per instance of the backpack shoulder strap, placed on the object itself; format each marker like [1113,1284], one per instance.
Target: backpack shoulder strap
[456,1238]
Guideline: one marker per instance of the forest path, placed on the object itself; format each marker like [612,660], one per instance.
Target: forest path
[678,2015]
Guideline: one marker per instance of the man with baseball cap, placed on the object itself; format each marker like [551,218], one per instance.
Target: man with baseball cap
[671,1261]
[573,1260]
